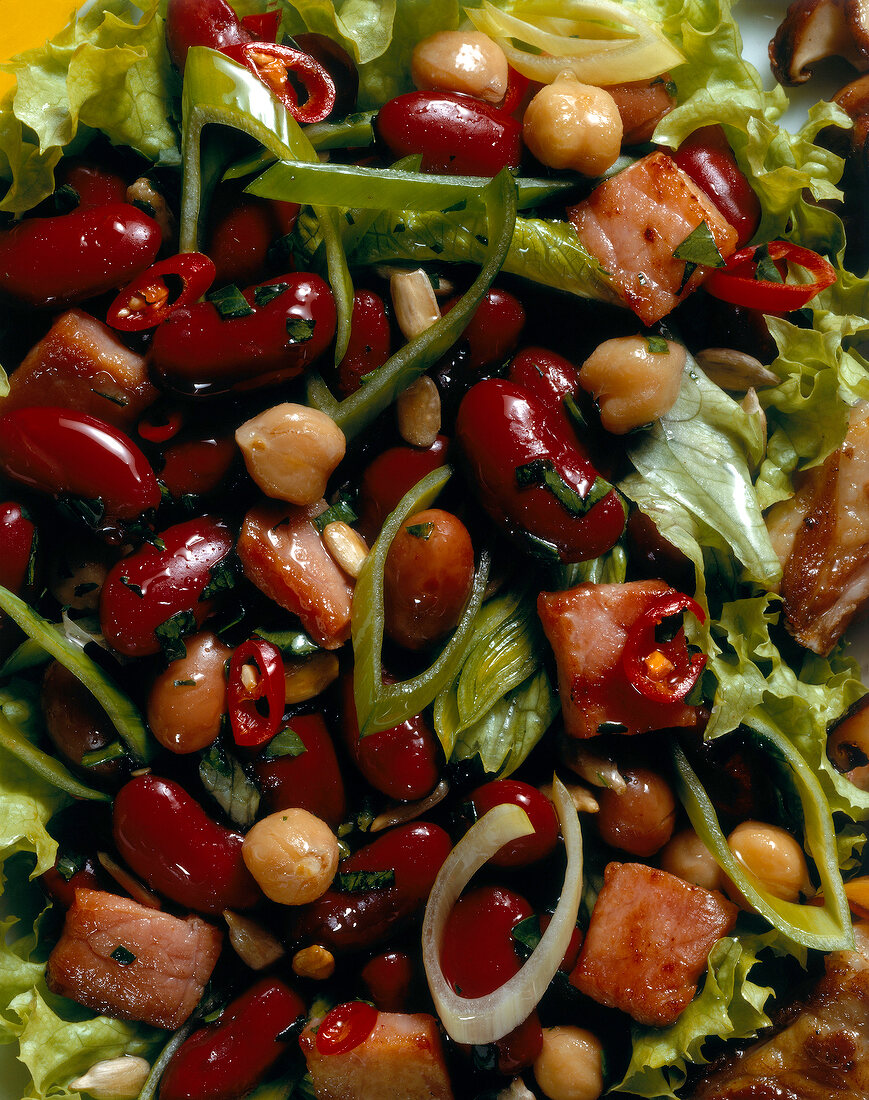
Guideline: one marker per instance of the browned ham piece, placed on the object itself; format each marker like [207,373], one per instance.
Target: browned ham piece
[635,221]
[821,1052]
[587,627]
[402,1059]
[648,942]
[116,956]
[821,536]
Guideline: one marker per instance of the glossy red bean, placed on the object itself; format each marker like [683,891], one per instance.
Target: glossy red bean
[309,780]
[338,64]
[168,840]
[541,812]
[77,725]
[390,475]
[552,379]
[479,954]
[345,1026]
[58,261]
[210,23]
[387,978]
[197,466]
[151,586]
[454,133]
[344,922]
[402,762]
[370,341]
[494,330]
[198,352]
[228,1058]
[427,578]
[17,545]
[94,184]
[244,228]
[60,451]
[507,436]
[706,156]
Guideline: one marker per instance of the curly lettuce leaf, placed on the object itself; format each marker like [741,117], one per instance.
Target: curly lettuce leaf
[107,71]
[730,1006]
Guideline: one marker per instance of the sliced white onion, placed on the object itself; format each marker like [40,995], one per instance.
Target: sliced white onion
[481,1020]
[77,633]
[403,812]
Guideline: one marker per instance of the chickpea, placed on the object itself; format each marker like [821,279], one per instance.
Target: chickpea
[773,856]
[640,818]
[633,381]
[461,61]
[573,125]
[291,451]
[688,858]
[293,855]
[570,1064]
[188,700]
[427,579]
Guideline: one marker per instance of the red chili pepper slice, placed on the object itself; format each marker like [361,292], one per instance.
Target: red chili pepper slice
[255,692]
[264,25]
[663,672]
[517,85]
[160,424]
[346,1026]
[736,282]
[273,63]
[148,300]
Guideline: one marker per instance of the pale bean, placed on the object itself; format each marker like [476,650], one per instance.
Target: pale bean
[635,379]
[461,61]
[293,856]
[187,701]
[570,1064]
[573,125]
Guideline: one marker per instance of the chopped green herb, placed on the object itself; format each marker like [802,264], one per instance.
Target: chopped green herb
[172,632]
[690,268]
[133,587]
[766,270]
[354,882]
[120,401]
[527,934]
[699,247]
[460,205]
[340,512]
[233,790]
[184,683]
[300,329]
[84,589]
[541,472]
[291,643]
[268,292]
[420,530]
[657,345]
[612,727]
[285,743]
[123,955]
[222,578]
[81,510]
[68,865]
[229,302]
[573,410]
[65,199]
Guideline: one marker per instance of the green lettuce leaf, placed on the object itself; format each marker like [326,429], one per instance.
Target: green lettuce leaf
[108,71]
[729,1006]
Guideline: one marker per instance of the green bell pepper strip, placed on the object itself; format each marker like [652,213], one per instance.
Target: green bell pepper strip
[122,712]
[822,928]
[350,185]
[217,90]
[45,766]
[381,706]
[384,384]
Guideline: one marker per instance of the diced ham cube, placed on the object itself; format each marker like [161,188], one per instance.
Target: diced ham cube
[81,364]
[648,942]
[282,553]
[587,627]
[116,956]
[635,221]
[402,1059]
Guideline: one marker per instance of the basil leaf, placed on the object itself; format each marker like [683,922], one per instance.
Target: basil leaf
[657,345]
[285,743]
[223,577]
[229,785]
[527,934]
[229,302]
[133,587]
[291,643]
[355,882]
[541,472]
[699,247]
[420,530]
[766,270]
[300,329]
[340,512]
[123,955]
[267,293]
[172,632]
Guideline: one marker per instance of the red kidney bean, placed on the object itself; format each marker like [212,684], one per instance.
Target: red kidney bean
[170,841]
[388,978]
[94,184]
[389,476]
[66,259]
[479,954]
[455,133]
[17,545]
[551,378]
[707,158]
[506,434]
[427,578]
[228,1058]
[199,465]
[151,586]
[76,723]
[344,922]
[338,64]
[244,228]
[370,341]
[210,23]
[197,352]
[310,780]
[494,330]
[402,762]
[541,812]
[62,887]
[60,451]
